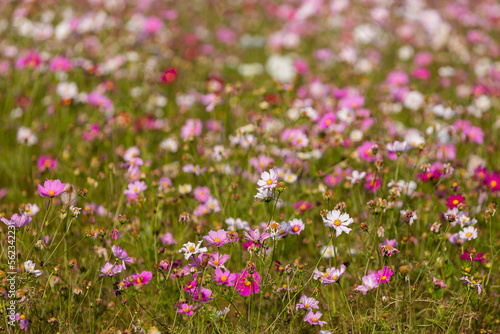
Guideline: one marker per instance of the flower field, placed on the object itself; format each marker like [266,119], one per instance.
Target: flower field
[249,166]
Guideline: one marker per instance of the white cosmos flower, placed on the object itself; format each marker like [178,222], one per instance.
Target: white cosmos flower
[339,221]
[29,266]
[269,179]
[191,248]
[356,176]
[468,233]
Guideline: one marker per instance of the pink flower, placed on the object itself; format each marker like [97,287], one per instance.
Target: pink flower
[225,277]
[369,282]
[17,220]
[256,236]
[365,151]
[46,162]
[217,260]
[134,189]
[302,206]
[23,321]
[438,282]
[142,278]
[327,120]
[307,303]
[121,254]
[331,275]
[152,25]
[384,275]
[248,284]
[110,269]
[202,194]
[168,239]
[296,226]
[51,188]
[185,308]
[313,318]
[388,247]
[60,64]
[191,129]
[216,238]
[454,200]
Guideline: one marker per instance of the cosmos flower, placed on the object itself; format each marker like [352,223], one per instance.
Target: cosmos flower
[191,248]
[225,277]
[384,275]
[216,238]
[339,221]
[296,226]
[307,303]
[142,278]
[388,247]
[134,189]
[51,188]
[454,200]
[268,180]
[473,282]
[248,283]
[121,254]
[468,233]
[370,282]
[185,308]
[313,318]
[29,266]
[110,269]
[17,220]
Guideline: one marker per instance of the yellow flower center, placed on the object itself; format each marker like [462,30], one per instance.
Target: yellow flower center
[136,190]
[336,222]
[307,305]
[51,192]
[384,278]
[328,121]
[140,279]
[217,240]
[22,317]
[187,309]
[248,283]
[314,319]
[109,271]
[335,277]
[325,274]
[295,228]
[269,182]
[468,234]
[223,278]
[191,249]
[493,183]
[303,207]
[284,286]
[455,201]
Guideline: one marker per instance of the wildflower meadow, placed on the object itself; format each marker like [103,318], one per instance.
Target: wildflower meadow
[249,166]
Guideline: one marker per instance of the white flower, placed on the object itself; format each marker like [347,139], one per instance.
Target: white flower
[169,145]
[328,252]
[185,189]
[339,221]
[468,233]
[264,194]
[356,135]
[398,146]
[356,176]
[67,90]
[191,248]
[74,210]
[31,210]
[29,266]
[26,136]
[268,180]
[346,115]
[281,68]
[290,177]
[237,223]
[413,100]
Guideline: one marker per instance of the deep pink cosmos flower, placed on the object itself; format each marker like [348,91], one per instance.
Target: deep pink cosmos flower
[216,238]
[185,308]
[493,181]
[51,188]
[365,151]
[468,256]
[454,200]
[60,64]
[45,162]
[248,284]
[142,278]
[169,76]
[302,206]
[384,275]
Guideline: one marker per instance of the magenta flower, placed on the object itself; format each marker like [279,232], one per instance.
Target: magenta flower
[365,151]
[454,200]
[121,254]
[468,256]
[202,194]
[302,206]
[225,277]
[313,318]
[142,278]
[45,162]
[248,284]
[51,188]
[204,295]
[17,220]
[185,308]
[384,275]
